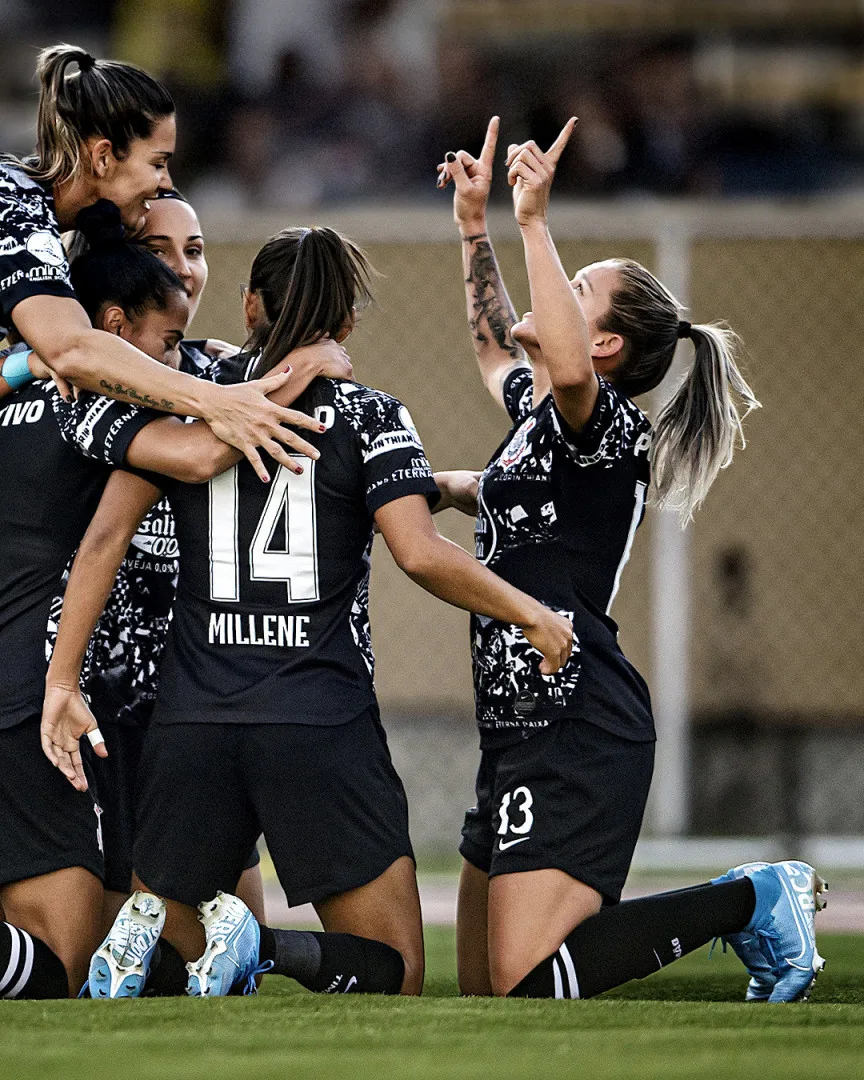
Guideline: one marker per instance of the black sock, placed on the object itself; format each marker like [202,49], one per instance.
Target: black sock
[637,938]
[168,972]
[28,968]
[333,963]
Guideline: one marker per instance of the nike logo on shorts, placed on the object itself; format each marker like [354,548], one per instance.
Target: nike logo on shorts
[504,844]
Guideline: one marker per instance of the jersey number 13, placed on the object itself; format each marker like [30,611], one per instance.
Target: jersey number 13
[288,513]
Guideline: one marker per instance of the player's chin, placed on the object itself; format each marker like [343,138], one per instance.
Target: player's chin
[524,333]
[134,217]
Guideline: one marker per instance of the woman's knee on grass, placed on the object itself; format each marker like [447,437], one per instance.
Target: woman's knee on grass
[530,915]
[386,909]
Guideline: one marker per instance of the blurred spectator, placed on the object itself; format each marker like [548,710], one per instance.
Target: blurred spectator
[293,103]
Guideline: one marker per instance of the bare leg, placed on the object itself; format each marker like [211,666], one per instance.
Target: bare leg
[250,889]
[472,950]
[110,908]
[64,910]
[386,909]
[182,928]
[530,914]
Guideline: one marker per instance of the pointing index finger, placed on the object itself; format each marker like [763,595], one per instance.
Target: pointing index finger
[557,148]
[487,154]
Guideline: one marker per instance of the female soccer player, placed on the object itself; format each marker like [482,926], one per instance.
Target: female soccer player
[50,862]
[566,761]
[266,718]
[50,859]
[172,232]
[105,131]
[122,664]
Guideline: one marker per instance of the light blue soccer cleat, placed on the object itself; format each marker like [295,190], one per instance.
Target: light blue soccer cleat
[778,946]
[748,945]
[231,955]
[120,966]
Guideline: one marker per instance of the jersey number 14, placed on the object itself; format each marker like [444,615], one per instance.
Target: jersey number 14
[289,512]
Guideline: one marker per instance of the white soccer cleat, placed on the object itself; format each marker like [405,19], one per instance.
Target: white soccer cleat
[120,966]
[231,955]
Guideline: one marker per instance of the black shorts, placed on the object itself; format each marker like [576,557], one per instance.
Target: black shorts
[327,799]
[571,797]
[114,784]
[45,824]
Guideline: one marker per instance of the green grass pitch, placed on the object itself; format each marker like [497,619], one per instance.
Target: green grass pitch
[684,1023]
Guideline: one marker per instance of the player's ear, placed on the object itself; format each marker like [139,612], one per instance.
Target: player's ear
[254,313]
[99,155]
[347,326]
[607,352]
[112,320]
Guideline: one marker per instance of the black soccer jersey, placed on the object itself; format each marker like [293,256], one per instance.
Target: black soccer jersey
[48,494]
[32,259]
[557,512]
[121,668]
[271,620]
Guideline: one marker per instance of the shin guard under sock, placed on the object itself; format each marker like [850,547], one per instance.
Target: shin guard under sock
[636,938]
[28,968]
[333,963]
[168,974]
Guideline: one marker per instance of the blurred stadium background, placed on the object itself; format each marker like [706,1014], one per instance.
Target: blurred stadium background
[722,143]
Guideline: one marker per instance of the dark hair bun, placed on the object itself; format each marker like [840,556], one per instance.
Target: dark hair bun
[101,224]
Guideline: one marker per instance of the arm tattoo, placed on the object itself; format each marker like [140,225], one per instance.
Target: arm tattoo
[489,300]
[138,398]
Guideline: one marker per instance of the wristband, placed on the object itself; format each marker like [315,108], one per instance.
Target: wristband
[16,370]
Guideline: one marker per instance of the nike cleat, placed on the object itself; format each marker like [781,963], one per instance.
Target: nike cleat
[231,955]
[799,962]
[120,966]
[788,895]
[748,945]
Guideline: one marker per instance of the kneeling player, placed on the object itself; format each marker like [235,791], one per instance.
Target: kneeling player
[566,762]
[266,719]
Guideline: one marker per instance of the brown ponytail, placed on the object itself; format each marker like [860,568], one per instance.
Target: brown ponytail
[105,98]
[309,281]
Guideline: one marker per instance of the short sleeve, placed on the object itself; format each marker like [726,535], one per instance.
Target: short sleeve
[99,427]
[394,462]
[614,427]
[32,258]
[518,393]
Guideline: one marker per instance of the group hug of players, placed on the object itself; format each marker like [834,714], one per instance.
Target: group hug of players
[211,639]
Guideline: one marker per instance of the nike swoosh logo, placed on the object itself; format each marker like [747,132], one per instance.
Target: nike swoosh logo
[351,982]
[502,846]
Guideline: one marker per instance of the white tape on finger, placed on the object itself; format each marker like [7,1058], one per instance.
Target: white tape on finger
[95,736]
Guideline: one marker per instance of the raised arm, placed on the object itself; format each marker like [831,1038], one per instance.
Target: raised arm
[562,332]
[490,313]
[450,573]
[60,332]
[66,716]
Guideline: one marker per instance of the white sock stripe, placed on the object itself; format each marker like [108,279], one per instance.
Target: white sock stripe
[28,965]
[556,974]
[14,934]
[564,953]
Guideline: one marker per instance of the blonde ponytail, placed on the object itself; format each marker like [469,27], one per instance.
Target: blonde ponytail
[697,430]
